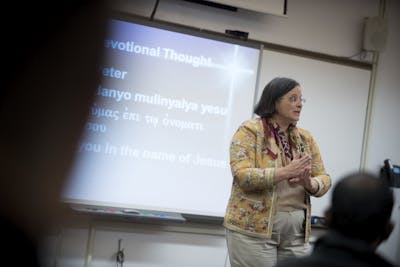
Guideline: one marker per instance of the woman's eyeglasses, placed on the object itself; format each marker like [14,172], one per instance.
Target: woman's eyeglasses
[294,99]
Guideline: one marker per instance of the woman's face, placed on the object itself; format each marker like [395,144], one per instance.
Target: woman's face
[289,106]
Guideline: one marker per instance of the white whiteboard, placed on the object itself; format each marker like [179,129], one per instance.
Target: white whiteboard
[334,112]
[158,133]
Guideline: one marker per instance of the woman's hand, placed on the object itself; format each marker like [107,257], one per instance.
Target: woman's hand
[295,168]
[298,166]
[306,181]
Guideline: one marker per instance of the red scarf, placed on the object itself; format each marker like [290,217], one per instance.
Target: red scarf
[272,129]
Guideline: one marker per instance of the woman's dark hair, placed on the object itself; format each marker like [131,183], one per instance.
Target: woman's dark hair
[274,90]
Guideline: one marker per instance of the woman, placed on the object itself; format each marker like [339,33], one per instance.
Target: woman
[276,167]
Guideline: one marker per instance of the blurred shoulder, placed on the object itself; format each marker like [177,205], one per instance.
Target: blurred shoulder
[305,134]
[249,128]
[253,123]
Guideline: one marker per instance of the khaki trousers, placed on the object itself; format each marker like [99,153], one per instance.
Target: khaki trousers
[287,240]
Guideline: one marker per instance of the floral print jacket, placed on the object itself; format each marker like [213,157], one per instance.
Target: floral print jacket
[253,159]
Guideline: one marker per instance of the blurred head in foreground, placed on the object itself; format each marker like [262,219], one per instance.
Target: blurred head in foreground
[361,208]
[51,58]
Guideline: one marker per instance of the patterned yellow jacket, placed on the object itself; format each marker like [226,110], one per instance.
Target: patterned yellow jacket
[252,203]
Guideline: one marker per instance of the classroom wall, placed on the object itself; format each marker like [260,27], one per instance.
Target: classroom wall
[327,26]
[383,139]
